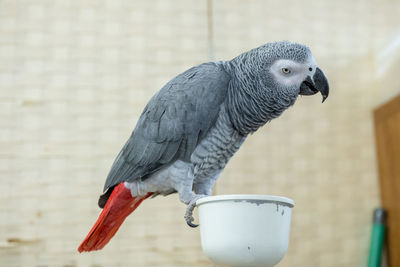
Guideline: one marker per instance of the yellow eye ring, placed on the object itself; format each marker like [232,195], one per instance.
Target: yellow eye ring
[285,70]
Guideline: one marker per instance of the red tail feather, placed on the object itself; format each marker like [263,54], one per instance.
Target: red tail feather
[118,207]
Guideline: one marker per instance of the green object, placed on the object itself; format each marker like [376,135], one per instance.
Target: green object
[377,238]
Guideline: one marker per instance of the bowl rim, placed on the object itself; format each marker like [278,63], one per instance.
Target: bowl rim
[251,198]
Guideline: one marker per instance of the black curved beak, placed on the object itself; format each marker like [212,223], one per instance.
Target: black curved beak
[318,83]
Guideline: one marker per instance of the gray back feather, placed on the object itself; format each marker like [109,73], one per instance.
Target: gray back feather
[174,121]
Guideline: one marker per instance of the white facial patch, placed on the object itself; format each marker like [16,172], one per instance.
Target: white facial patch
[291,73]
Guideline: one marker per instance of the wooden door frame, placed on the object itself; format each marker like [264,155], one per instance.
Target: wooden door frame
[387,134]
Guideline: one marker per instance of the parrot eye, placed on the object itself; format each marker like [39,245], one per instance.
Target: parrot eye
[285,70]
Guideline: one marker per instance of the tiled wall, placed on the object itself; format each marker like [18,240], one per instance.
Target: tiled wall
[75,76]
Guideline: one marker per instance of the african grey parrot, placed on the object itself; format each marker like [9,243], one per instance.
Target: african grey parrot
[191,128]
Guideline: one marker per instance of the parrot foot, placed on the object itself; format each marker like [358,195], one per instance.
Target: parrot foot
[189,211]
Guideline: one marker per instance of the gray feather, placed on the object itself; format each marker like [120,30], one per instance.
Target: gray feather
[174,121]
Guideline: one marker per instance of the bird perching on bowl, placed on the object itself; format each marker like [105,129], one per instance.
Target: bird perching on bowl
[192,127]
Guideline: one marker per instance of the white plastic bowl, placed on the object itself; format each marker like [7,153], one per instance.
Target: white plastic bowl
[245,230]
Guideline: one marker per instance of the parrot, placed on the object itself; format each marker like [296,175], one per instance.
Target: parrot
[195,123]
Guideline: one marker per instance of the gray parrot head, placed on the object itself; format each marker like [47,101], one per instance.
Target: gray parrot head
[285,68]
[271,77]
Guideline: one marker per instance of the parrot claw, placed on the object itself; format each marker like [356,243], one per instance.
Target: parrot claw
[189,219]
[193,225]
[189,211]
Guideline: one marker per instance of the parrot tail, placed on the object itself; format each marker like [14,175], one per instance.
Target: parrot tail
[118,207]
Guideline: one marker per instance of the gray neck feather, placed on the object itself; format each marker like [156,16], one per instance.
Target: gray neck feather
[251,101]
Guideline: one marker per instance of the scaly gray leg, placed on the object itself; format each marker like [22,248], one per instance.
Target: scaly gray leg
[202,188]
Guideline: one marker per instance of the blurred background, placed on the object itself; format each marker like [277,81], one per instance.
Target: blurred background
[76,75]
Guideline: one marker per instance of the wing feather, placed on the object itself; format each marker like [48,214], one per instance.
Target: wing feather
[174,121]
